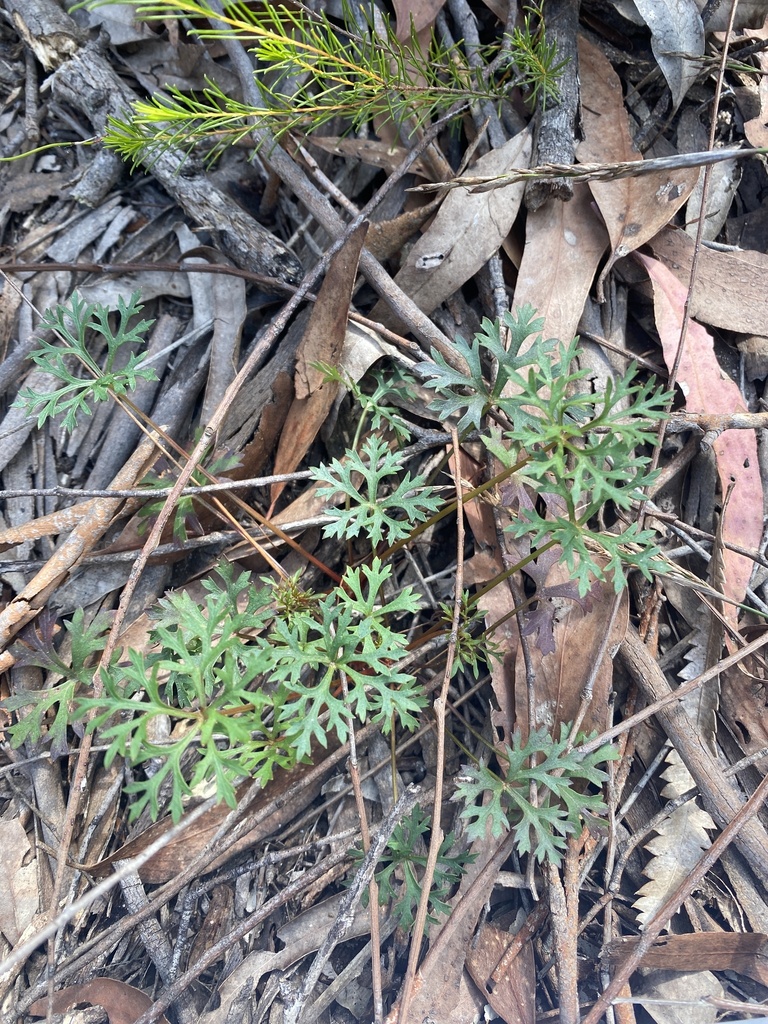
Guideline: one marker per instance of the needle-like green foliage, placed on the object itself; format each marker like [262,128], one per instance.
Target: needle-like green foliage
[311,69]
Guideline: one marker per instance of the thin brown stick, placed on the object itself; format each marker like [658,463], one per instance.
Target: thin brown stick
[436,837]
[564,939]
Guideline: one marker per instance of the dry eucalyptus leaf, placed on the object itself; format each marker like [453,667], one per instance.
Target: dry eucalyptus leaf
[322,343]
[124,1003]
[730,286]
[466,232]
[677,35]
[635,208]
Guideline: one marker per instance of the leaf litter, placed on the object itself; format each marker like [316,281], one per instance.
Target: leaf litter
[73,221]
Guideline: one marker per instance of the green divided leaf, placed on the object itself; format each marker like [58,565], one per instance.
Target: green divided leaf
[70,359]
[373,512]
[561,774]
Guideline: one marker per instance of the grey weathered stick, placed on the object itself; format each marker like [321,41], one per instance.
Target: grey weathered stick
[88,83]
[593,172]
[345,916]
[154,939]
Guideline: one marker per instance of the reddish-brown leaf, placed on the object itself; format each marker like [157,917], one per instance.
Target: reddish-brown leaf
[124,1003]
[708,389]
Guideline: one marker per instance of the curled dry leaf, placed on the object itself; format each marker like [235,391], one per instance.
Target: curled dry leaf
[677,38]
[635,208]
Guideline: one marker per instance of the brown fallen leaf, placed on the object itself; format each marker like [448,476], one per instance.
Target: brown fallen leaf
[564,243]
[303,783]
[386,238]
[634,209]
[498,604]
[563,669]
[708,389]
[124,1003]
[730,287]
[415,15]
[744,705]
[375,152]
[322,342]
[18,881]
[511,991]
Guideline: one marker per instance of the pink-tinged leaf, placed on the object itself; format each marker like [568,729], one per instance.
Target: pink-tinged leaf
[708,389]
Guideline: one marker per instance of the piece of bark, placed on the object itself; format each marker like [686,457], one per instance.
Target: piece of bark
[555,141]
[88,83]
[51,34]
[701,951]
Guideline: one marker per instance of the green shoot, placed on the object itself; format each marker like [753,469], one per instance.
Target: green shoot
[311,70]
[401,860]
[387,517]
